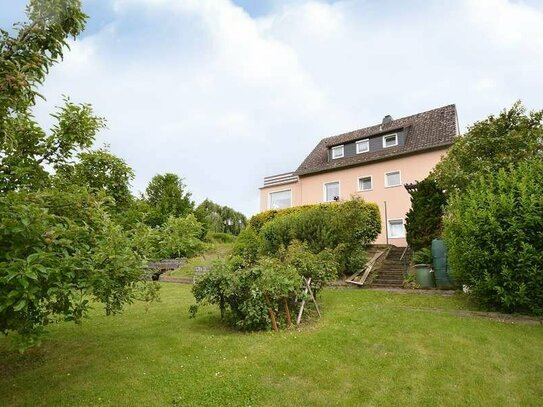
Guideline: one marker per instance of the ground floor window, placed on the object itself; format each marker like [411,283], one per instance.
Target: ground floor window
[280,199]
[396,228]
[331,191]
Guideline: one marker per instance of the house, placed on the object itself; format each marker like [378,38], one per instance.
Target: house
[372,163]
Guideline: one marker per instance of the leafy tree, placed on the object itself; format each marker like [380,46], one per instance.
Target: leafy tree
[101,171]
[489,145]
[59,247]
[167,196]
[26,150]
[222,219]
[178,237]
[494,235]
[58,251]
[424,219]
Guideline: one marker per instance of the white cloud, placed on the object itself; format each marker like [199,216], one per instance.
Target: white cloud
[202,89]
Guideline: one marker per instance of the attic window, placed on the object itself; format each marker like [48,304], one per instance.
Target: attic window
[390,140]
[362,146]
[337,152]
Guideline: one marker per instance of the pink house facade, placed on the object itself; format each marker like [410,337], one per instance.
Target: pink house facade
[373,163]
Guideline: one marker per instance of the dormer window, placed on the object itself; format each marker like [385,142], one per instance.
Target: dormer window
[337,152]
[390,140]
[362,146]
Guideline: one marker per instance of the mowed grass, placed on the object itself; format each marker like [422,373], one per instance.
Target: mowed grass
[370,348]
[215,252]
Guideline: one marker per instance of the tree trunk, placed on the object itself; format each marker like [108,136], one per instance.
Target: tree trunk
[272,313]
[287,311]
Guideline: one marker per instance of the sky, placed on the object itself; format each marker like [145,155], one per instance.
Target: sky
[225,92]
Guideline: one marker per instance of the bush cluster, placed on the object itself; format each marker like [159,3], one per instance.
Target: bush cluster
[344,227]
[494,231]
[267,293]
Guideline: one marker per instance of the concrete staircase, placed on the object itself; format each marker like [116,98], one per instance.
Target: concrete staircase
[390,271]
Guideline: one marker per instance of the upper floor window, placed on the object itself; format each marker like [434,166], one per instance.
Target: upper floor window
[331,191]
[393,179]
[362,146]
[390,140]
[337,152]
[280,199]
[365,183]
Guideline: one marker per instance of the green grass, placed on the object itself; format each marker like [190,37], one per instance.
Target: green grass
[217,251]
[370,348]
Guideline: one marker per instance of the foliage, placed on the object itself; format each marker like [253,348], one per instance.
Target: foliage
[424,219]
[58,251]
[59,246]
[258,220]
[490,145]
[219,237]
[493,233]
[252,294]
[344,227]
[167,196]
[178,237]
[101,171]
[423,256]
[220,219]
[322,268]
[247,246]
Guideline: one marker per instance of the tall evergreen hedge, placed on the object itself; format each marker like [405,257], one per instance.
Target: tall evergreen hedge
[494,232]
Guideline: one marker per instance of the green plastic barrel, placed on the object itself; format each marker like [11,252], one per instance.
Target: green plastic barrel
[441,267]
[424,276]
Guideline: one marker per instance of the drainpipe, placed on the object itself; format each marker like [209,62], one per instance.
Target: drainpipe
[386,221]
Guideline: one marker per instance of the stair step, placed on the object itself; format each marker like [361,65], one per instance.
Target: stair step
[389,280]
[377,285]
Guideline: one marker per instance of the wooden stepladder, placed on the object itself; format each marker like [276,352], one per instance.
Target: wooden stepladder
[307,289]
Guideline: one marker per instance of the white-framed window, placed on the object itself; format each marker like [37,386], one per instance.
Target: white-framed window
[365,183]
[280,199]
[331,191]
[393,179]
[337,152]
[362,146]
[390,140]
[396,229]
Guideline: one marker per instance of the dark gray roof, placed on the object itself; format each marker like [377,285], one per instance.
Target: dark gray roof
[424,131]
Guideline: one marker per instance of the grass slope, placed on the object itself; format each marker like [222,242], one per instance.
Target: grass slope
[217,251]
[370,348]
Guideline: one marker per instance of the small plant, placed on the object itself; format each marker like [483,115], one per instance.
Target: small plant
[423,256]
[410,281]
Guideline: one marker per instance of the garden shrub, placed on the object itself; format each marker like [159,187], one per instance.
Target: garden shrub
[494,235]
[344,227]
[322,268]
[424,221]
[220,237]
[178,237]
[247,245]
[250,293]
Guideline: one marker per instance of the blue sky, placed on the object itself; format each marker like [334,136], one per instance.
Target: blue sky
[224,93]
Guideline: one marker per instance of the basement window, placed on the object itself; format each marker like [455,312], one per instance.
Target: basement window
[396,229]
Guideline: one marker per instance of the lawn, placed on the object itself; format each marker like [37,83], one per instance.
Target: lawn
[370,348]
[217,251]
